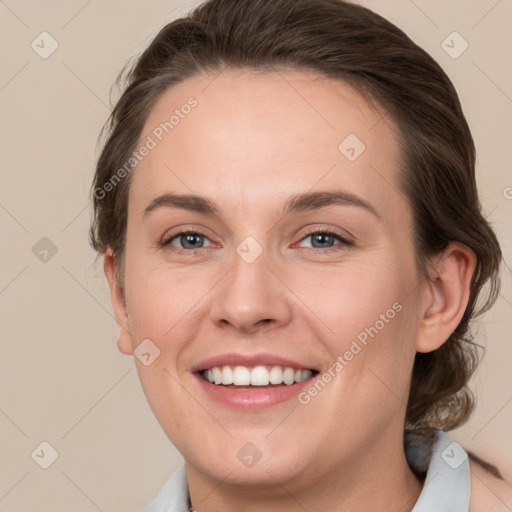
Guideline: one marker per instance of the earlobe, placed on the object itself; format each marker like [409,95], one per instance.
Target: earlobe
[124,342]
[446,296]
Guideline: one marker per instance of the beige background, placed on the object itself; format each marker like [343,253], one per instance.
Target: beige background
[62,379]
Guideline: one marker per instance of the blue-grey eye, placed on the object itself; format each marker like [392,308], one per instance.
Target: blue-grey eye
[324,240]
[187,240]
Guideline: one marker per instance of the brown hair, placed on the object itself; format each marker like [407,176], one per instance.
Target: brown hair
[351,43]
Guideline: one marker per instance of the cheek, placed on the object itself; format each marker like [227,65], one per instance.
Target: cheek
[160,299]
[352,298]
[365,313]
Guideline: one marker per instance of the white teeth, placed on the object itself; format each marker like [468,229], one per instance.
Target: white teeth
[241,376]
[304,375]
[227,376]
[276,375]
[257,376]
[217,375]
[289,376]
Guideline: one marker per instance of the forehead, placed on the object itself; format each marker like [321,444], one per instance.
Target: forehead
[247,137]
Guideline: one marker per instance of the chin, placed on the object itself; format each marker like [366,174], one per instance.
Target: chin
[256,463]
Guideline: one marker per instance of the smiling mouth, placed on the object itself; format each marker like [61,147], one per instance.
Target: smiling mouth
[257,376]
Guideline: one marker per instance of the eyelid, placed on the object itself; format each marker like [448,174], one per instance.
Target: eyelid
[184,233]
[183,230]
[344,238]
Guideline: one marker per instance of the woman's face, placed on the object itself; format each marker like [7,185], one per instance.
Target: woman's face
[299,255]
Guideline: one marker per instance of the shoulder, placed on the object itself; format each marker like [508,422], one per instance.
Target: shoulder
[488,493]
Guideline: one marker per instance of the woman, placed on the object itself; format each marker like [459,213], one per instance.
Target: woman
[287,206]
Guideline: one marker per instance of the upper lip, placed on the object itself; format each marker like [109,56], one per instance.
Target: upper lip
[249,360]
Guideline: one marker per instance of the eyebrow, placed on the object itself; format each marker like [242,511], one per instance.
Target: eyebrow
[298,203]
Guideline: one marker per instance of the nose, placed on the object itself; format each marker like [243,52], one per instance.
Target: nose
[251,298]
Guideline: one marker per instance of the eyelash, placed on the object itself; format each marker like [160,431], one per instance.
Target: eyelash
[344,242]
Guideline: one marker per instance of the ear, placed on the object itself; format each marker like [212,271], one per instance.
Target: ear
[445,297]
[124,343]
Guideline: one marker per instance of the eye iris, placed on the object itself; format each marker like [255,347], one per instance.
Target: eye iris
[323,240]
[192,241]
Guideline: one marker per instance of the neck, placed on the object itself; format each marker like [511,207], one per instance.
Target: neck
[380,481]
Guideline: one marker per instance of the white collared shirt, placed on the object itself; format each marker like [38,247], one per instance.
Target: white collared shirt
[447,486]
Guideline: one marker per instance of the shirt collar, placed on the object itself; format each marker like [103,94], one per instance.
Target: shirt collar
[447,486]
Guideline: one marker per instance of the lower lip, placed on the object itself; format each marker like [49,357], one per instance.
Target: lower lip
[253,398]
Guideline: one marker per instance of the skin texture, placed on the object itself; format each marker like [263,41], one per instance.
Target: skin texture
[253,141]
[488,492]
